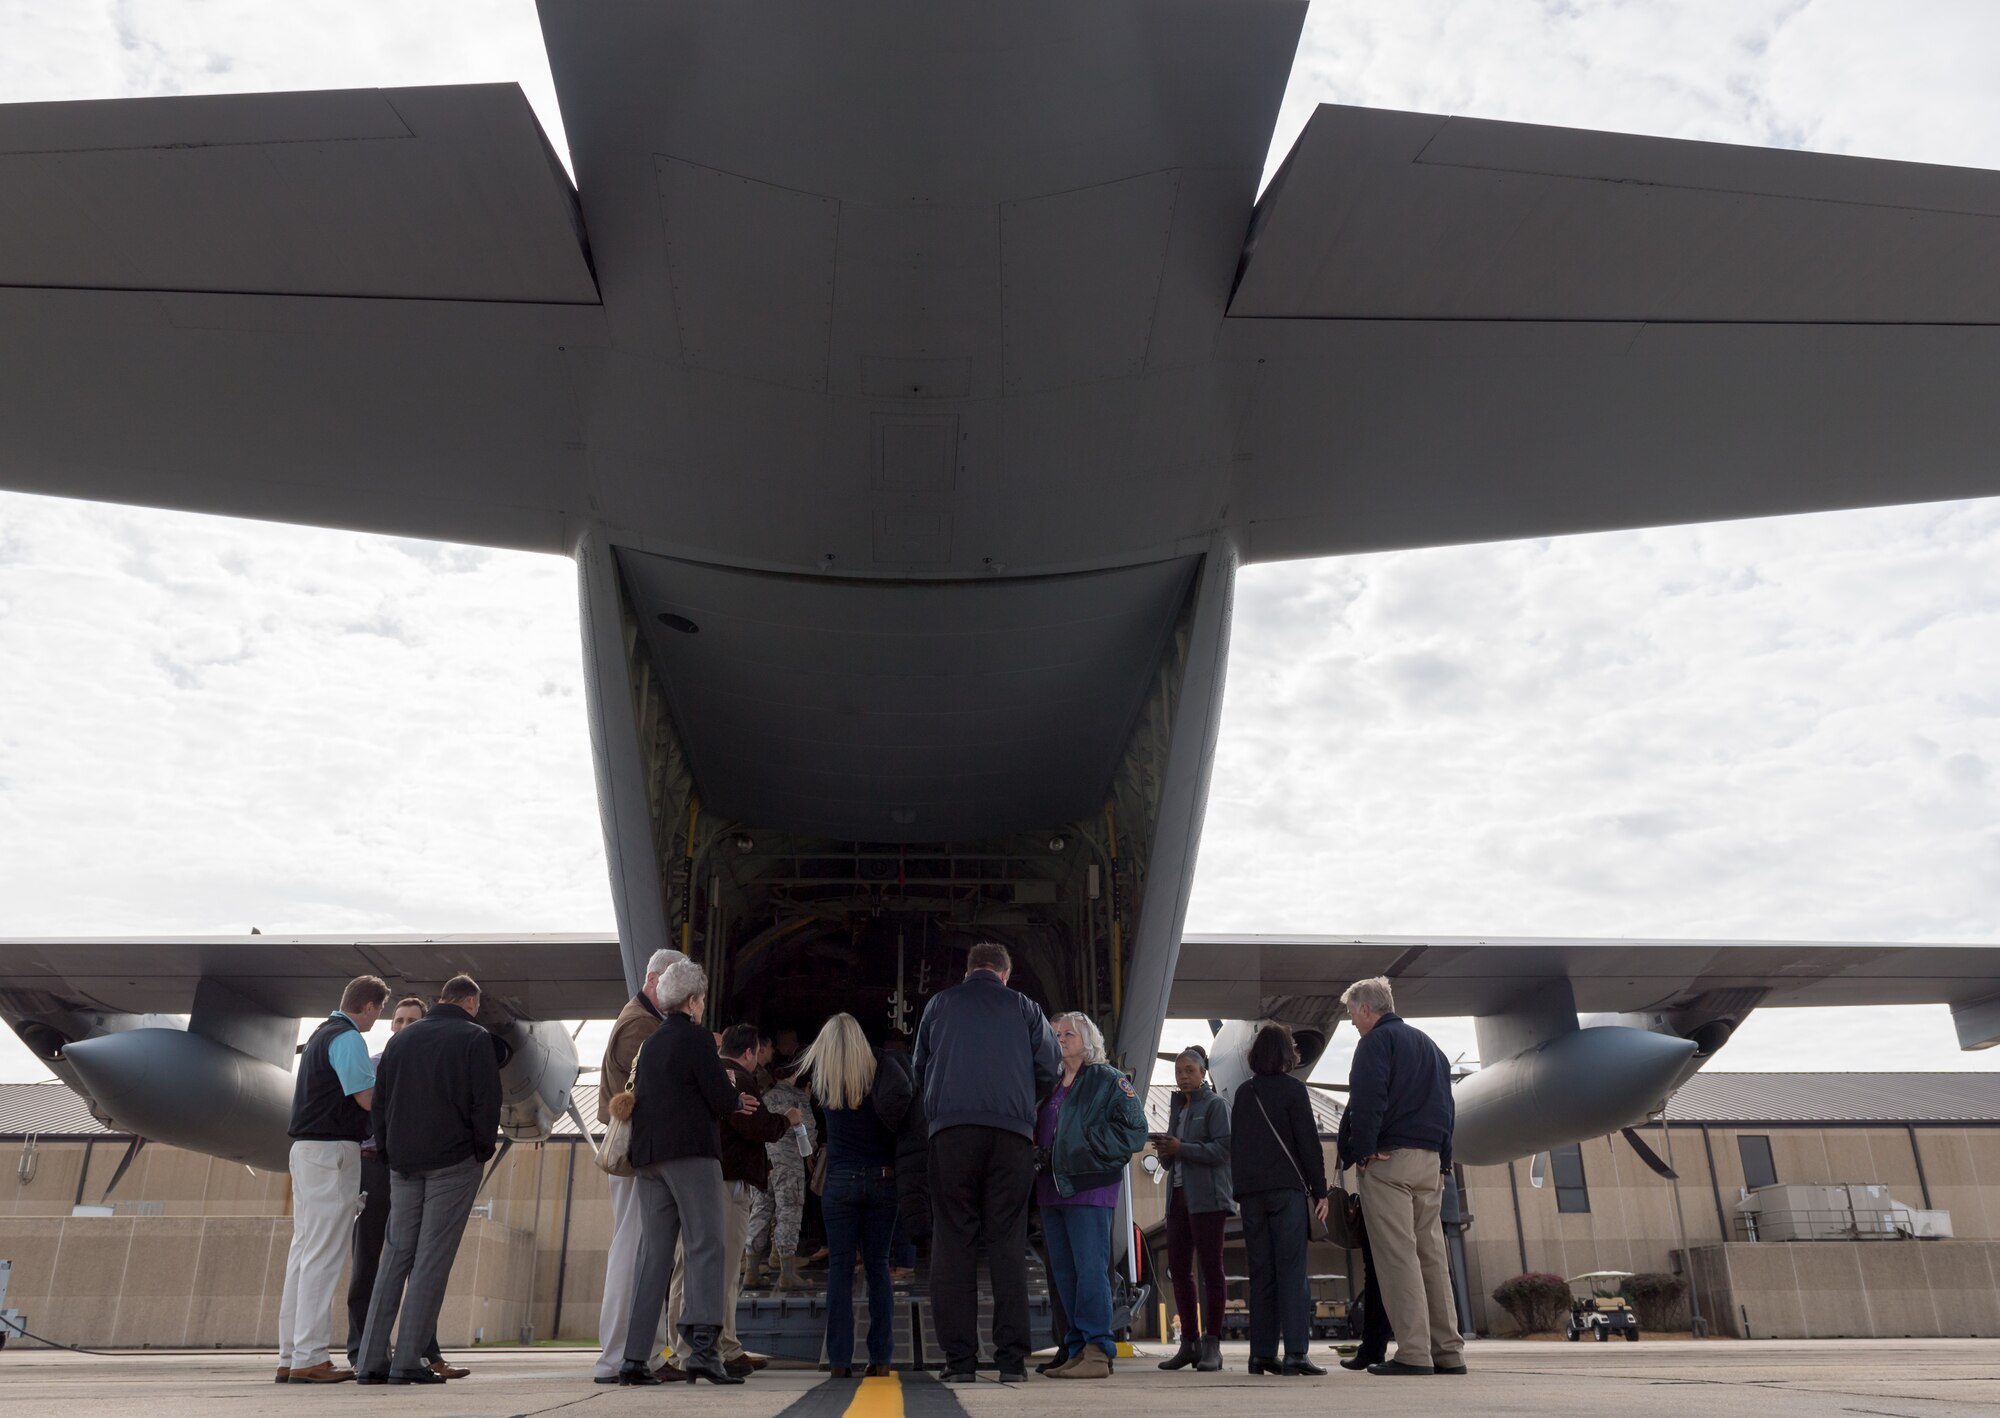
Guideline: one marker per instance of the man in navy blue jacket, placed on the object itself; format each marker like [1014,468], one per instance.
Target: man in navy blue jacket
[985,1058]
[1398,1123]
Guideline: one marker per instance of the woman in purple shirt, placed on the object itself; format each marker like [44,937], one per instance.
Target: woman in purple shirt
[1088,1129]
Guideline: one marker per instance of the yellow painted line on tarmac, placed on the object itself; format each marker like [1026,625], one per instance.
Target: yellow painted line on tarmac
[877,1398]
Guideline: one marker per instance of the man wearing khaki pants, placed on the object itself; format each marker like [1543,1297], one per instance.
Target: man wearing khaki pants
[331,1098]
[1400,1110]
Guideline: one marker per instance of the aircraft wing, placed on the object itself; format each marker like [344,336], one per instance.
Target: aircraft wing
[534,976]
[347,308]
[1246,977]
[1466,331]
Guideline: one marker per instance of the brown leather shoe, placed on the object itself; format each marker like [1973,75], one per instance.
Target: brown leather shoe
[668,1372]
[323,1372]
[877,1371]
[741,1367]
[284,1375]
[449,1371]
[759,1362]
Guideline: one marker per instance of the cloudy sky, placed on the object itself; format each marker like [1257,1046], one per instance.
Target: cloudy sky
[1780,729]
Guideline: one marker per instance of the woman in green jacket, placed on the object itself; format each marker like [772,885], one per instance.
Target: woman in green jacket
[1089,1127]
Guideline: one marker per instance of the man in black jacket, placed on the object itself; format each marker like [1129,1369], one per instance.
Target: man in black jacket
[1400,1109]
[372,1225]
[985,1057]
[437,1110]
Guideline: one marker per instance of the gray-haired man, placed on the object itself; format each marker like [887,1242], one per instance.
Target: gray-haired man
[636,1024]
[1400,1113]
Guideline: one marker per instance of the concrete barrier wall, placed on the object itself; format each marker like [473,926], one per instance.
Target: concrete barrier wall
[1852,1289]
[215,1281]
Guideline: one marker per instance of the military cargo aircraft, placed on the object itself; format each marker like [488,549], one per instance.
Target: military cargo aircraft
[908,380]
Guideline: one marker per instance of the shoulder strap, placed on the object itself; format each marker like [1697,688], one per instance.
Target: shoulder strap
[632,1078]
[1283,1146]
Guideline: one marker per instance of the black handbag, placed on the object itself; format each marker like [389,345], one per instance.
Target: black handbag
[1343,1218]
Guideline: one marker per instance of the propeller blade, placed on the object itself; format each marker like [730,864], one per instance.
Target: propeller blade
[506,1146]
[1649,1157]
[124,1165]
[1537,1169]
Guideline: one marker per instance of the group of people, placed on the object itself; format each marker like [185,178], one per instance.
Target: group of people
[995,1107]
[1261,1160]
[386,1158]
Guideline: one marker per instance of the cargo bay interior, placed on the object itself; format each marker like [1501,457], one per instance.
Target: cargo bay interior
[966,776]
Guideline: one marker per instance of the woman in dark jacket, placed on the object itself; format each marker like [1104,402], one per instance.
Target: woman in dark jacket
[1280,1182]
[677,1102]
[865,1096]
[1195,1148]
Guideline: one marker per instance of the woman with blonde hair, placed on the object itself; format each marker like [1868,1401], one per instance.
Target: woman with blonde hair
[866,1094]
[1089,1128]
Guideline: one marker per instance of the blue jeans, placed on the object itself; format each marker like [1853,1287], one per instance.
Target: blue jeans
[860,1211]
[1079,1240]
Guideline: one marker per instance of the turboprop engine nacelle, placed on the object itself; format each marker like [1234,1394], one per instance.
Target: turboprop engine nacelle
[537,1075]
[1229,1052]
[170,1086]
[1581,1084]
[186,1090]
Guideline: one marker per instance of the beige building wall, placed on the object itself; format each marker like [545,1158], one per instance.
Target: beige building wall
[215,1281]
[1853,1290]
[1631,1223]
[182,1183]
[196,1256]
[218,1226]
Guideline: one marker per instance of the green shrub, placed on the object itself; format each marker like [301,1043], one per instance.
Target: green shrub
[1537,1301]
[1656,1299]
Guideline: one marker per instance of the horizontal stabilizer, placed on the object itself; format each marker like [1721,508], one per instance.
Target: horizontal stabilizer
[1470,331]
[1379,215]
[447,193]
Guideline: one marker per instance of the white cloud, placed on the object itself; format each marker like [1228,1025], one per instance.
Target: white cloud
[214,724]
[1776,729]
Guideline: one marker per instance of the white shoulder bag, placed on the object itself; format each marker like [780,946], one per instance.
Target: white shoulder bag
[614,1153]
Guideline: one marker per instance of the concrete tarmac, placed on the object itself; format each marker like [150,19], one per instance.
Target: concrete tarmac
[1928,1378]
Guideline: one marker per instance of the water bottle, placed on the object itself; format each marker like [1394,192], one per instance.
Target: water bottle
[802,1139]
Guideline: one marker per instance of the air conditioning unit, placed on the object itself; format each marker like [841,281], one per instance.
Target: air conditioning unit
[13,1324]
[1849,1211]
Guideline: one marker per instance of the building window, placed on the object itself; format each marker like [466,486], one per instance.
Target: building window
[1758,1169]
[1567,1165]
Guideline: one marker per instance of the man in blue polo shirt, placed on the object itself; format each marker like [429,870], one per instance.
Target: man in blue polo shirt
[330,1102]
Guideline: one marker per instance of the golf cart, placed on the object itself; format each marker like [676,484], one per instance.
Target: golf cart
[1331,1317]
[1598,1313]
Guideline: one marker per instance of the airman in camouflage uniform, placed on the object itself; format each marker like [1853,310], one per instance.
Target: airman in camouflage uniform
[775,1215]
